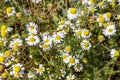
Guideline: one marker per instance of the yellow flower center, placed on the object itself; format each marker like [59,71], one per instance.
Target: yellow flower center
[92,1]
[1,42]
[61,22]
[31,27]
[57,37]
[116,54]
[3,27]
[3,33]
[108,14]
[86,32]
[105,25]
[46,40]
[68,48]
[17,43]
[15,47]
[70,77]
[40,70]
[101,19]
[64,56]
[72,10]
[84,60]
[101,3]
[17,68]
[32,39]
[86,44]
[15,35]
[110,30]
[71,60]
[101,38]
[16,74]
[4,75]
[45,46]
[77,66]
[92,10]
[79,32]
[7,53]
[2,58]
[9,10]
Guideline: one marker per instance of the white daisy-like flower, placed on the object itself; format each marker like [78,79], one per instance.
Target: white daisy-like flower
[58,37]
[3,41]
[70,77]
[40,70]
[85,44]
[78,33]
[72,13]
[45,47]
[17,70]
[10,11]
[114,53]
[61,73]
[67,49]
[47,40]
[78,67]
[15,44]
[101,4]
[71,60]
[107,16]
[7,53]
[36,1]
[64,57]
[32,40]
[109,30]
[31,74]
[85,33]
[101,18]
[32,27]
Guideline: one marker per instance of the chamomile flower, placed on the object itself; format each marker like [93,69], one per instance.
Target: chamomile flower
[36,1]
[15,44]
[64,57]
[31,74]
[2,58]
[85,44]
[107,16]
[72,13]
[40,70]
[100,19]
[67,49]
[7,53]
[10,11]
[101,38]
[78,67]
[61,73]
[58,37]
[109,31]
[45,46]
[78,33]
[101,4]
[86,33]
[3,41]
[70,77]
[31,27]
[114,53]
[47,39]
[71,60]
[91,9]
[17,70]
[32,40]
